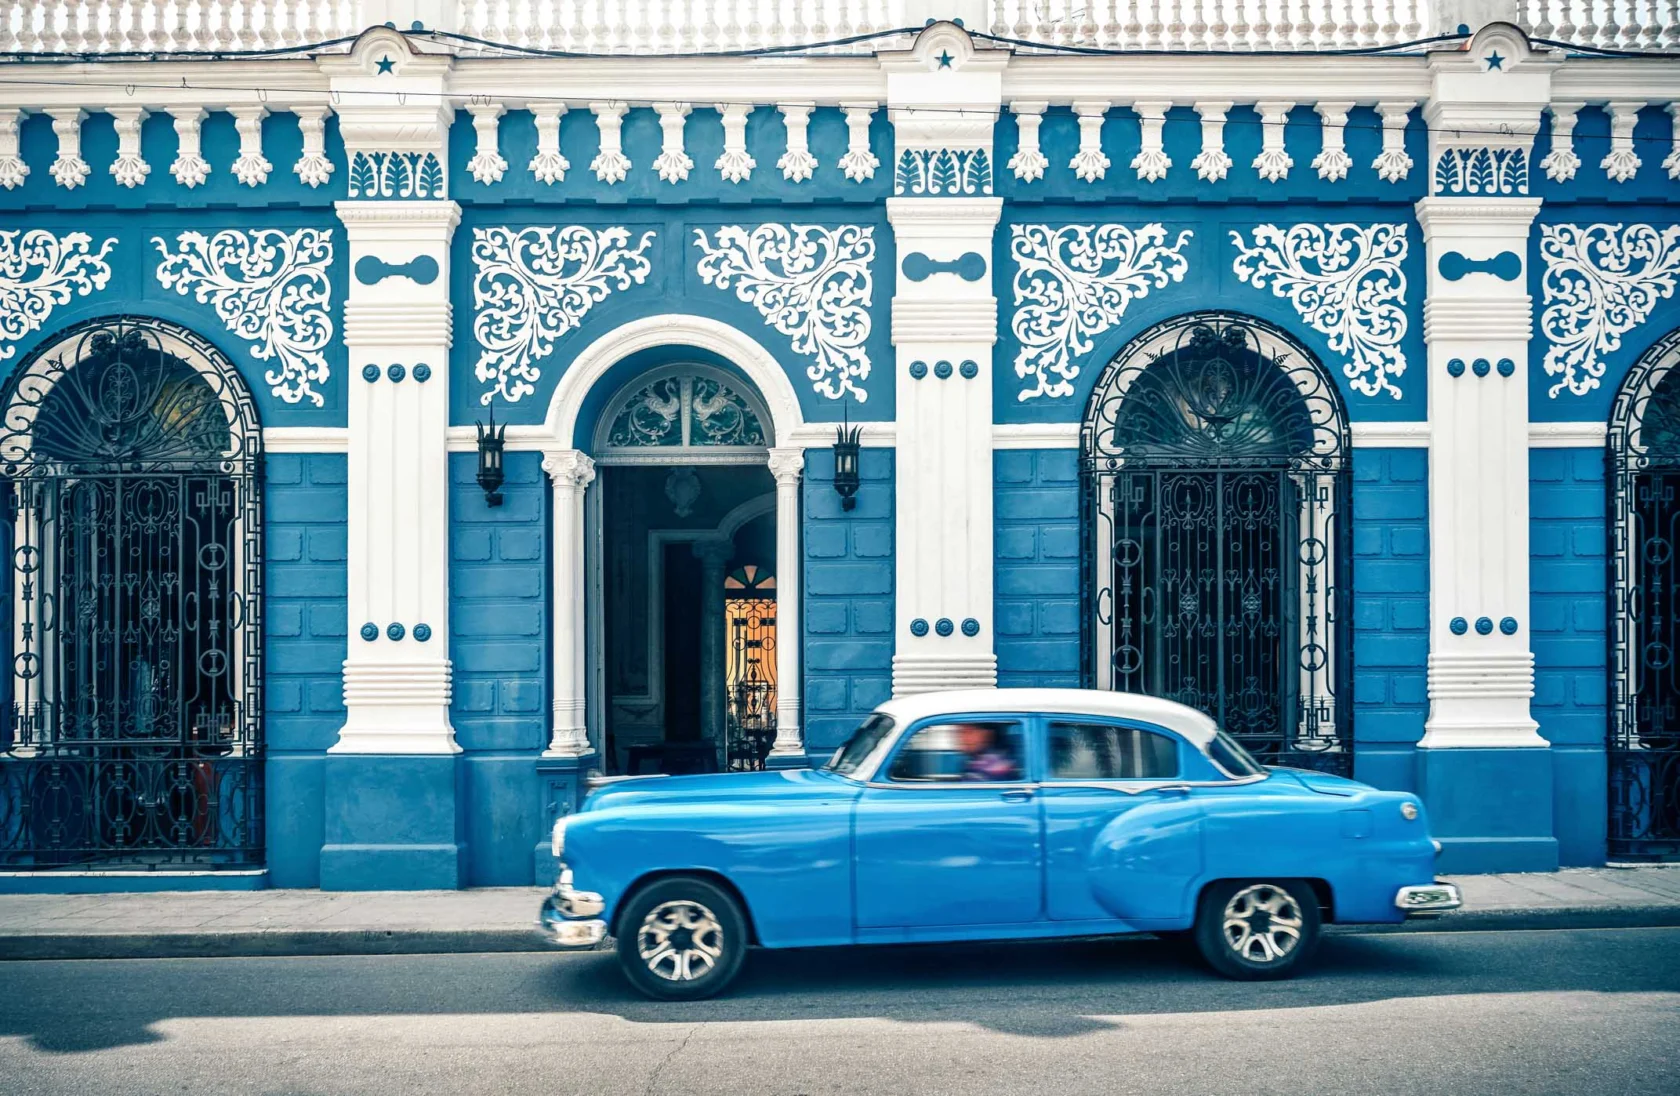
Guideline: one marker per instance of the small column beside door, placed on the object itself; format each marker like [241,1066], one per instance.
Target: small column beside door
[787,465]
[571,472]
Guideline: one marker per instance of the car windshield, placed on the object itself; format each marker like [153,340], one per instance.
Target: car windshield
[862,743]
[1229,755]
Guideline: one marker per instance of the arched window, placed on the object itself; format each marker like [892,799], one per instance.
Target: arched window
[684,413]
[1215,457]
[131,456]
[1644,741]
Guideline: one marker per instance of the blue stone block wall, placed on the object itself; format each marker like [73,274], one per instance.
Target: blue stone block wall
[1568,582]
[1036,592]
[1390,612]
[848,597]
[304,646]
[499,574]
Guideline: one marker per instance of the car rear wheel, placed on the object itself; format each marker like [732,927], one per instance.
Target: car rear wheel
[681,939]
[1258,928]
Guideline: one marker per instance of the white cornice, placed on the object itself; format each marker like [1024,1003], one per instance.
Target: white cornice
[1600,79]
[156,85]
[1390,435]
[306,439]
[1035,435]
[1566,435]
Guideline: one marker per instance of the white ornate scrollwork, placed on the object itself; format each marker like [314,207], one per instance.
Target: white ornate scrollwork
[810,283]
[271,288]
[1345,281]
[1601,282]
[536,284]
[1075,282]
[39,271]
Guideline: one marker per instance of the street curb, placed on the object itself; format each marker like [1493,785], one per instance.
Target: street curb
[259,943]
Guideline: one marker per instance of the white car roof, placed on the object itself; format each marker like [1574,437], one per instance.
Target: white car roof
[1196,728]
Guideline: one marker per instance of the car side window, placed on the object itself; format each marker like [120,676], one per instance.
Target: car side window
[975,752]
[1101,751]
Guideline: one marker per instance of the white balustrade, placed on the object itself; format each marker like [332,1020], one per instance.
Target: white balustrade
[711,26]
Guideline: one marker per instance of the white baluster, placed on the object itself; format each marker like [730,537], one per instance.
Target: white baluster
[843,27]
[220,30]
[1414,24]
[643,28]
[709,29]
[1175,31]
[1608,33]
[775,31]
[1239,28]
[1022,29]
[1132,32]
[314,32]
[8,44]
[1368,23]
[1566,29]
[1108,31]
[1347,35]
[1046,29]
[1635,26]
[1218,29]
[1195,33]
[1390,31]
[1327,27]
[731,33]
[867,21]
[818,29]
[796,26]
[667,33]
[1154,29]
[687,26]
[1301,36]
[1671,30]
[1650,28]
[1587,32]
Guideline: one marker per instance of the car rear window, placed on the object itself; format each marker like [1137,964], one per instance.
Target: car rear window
[1229,755]
[1101,751]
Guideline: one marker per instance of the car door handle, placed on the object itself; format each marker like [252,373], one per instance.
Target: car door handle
[1020,795]
[1173,789]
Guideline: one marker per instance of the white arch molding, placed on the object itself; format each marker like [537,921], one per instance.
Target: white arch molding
[578,634]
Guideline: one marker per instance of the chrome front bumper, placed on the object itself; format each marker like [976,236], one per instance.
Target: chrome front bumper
[1428,901]
[572,918]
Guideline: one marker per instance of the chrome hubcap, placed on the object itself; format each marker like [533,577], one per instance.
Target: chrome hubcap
[680,941]
[1262,923]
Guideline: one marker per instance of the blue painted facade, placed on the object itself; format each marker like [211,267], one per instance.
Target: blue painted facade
[479,817]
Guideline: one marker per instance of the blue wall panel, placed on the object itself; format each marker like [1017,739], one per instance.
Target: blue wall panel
[304,607]
[499,574]
[1390,611]
[1036,593]
[1568,579]
[848,597]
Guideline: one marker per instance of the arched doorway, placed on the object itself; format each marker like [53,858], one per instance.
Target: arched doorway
[1215,456]
[686,509]
[1644,739]
[131,458]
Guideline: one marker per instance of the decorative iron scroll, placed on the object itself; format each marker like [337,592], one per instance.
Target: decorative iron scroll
[1217,555]
[131,456]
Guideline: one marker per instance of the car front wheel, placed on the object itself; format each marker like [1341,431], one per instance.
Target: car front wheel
[1257,929]
[682,939]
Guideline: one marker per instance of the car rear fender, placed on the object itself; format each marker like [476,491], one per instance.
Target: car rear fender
[1146,860]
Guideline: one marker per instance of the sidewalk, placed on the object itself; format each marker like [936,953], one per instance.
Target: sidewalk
[305,922]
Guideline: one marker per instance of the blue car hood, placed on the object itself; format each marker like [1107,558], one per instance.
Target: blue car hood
[717,787]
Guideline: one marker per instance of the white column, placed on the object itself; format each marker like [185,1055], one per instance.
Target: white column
[787,465]
[1481,666]
[397,331]
[572,472]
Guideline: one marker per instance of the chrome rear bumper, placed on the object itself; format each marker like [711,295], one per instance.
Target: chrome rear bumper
[1428,901]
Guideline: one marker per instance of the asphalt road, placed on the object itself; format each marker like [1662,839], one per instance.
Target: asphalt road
[1561,1011]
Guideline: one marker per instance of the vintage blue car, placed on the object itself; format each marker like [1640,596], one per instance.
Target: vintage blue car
[1000,814]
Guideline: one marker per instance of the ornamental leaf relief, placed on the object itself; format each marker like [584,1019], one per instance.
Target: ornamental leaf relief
[1074,282]
[1345,281]
[1601,282]
[810,283]
[1484,171]
[39,271]
[534,285]
[270,288]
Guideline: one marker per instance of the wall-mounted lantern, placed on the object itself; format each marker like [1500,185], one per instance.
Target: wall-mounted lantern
[846,464]
[491,439]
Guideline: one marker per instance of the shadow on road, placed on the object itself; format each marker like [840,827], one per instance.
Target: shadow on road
[1040,990]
